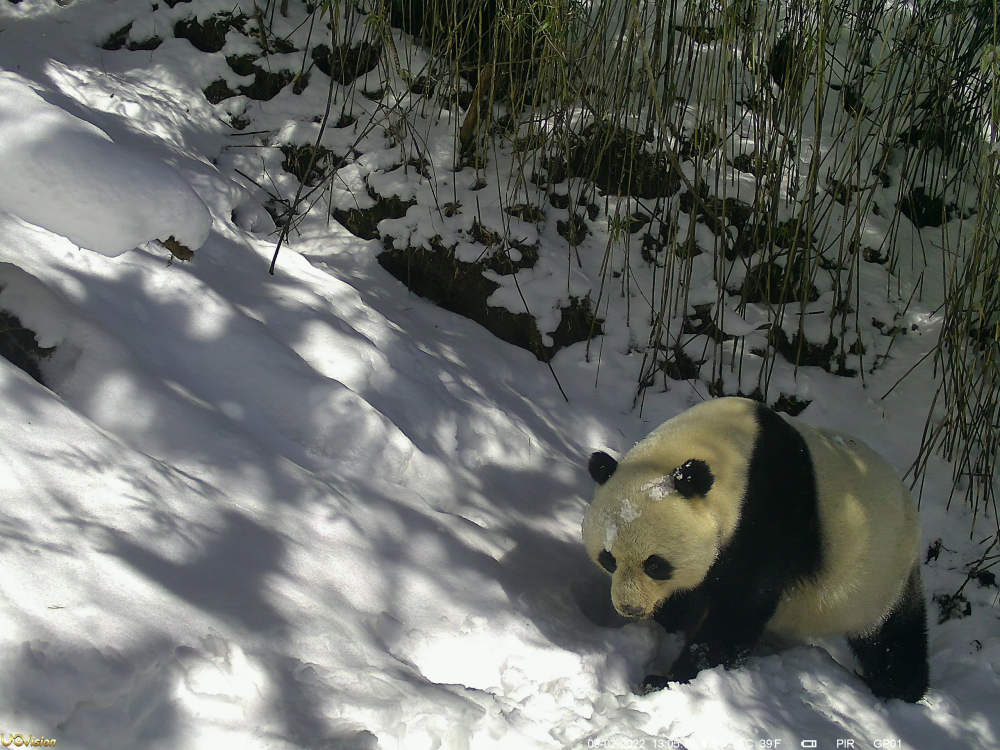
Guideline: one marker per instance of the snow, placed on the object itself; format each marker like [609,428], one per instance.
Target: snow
[658,489]
[310,510]
[629,511]
[68,176]
[610,534]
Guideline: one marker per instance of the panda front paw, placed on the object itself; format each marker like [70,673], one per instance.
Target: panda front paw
[652,683]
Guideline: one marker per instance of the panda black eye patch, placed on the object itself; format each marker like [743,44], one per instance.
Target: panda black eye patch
[657,568]
[693,478]
[607,561]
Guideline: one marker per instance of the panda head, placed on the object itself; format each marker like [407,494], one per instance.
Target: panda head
[660,516]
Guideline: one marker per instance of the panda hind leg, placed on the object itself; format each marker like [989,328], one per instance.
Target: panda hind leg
[893,658]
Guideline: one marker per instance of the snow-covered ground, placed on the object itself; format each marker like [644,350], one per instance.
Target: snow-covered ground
[312,510]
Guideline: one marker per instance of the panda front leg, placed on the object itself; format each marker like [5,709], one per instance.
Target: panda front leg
[683,612]
[726,634]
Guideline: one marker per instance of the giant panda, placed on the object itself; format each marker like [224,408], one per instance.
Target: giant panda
[728,520]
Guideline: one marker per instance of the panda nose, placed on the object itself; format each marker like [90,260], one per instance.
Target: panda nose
[632,612]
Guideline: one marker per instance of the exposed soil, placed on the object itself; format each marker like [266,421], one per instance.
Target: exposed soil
[926,210]
[702,323]
[461,288]
[19,346]
[800,352]
[208,35]
[753,163]
[678,365]
[363,222]
[345,63]
[297,162]
[526,212]
[618,163]
[219,91]
[119,39]
[777,284]
[719,216]
[266,85]
[574,230]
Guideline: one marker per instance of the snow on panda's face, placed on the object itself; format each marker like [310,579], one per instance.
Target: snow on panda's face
[653,532]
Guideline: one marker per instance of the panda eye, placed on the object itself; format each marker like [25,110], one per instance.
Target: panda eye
[657,568]
[693,478]
[607,561]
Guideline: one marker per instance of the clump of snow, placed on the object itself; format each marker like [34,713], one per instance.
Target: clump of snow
[610,535]
[629,511]
[66,175]
[658,489]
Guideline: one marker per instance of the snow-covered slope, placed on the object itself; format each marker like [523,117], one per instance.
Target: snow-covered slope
[311,510]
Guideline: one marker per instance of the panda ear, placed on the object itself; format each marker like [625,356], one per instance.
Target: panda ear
[693,478]
[601,466]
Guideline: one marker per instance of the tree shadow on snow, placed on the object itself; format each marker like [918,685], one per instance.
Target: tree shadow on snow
[89,697]
[226,580]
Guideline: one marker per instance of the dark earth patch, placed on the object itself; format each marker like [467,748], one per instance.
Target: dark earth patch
[345,63]
[119,39]
[19,346]
[460,287]
[363,222]
[208,35]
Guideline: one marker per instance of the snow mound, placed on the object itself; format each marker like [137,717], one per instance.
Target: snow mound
[66,175]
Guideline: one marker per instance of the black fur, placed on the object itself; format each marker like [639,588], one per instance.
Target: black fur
[894,657]
[693,479]
[607,561]
[601,467]
[657,568]
[777,542]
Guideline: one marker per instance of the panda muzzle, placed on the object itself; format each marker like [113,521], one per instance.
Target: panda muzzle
[633,613]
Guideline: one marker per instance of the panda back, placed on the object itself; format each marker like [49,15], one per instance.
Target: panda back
[870,541]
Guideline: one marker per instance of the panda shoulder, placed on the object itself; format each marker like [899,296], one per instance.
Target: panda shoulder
[843,462]
[831,446]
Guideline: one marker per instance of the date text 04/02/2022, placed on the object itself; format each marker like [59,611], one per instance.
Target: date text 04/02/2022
[658,743]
